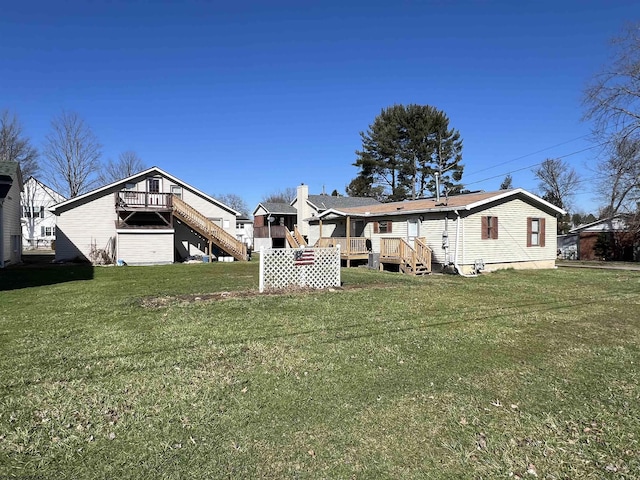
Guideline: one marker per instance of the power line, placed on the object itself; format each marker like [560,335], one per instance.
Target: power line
[527,155]
[535,164]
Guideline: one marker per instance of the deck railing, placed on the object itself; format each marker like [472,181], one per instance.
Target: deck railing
[409,256]
[348,246]
[208,229]
[131,199]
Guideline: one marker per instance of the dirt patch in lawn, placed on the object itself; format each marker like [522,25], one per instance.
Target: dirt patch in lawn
[167,300]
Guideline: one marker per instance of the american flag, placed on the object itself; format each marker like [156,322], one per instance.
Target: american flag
[303,257]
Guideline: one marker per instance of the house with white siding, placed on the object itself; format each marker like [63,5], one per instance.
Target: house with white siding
[471,232]
[150,217]
[38,223]
[10,211]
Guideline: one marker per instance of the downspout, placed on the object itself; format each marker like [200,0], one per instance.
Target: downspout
[455,253]
[1,235]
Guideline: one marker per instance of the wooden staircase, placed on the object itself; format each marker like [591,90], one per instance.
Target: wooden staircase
[295,239]
[209,230]
[412,260]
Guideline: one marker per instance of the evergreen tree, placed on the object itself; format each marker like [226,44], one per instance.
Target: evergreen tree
[403,149]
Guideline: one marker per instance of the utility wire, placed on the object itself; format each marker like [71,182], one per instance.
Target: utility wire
[533,165]
[527,155]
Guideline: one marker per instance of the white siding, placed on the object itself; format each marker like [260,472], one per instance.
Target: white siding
[511,244]
[90,223]
[11,225]
[145,247]
[34,196]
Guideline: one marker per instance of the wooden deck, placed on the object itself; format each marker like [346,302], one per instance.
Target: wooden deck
[143,201]
[412,259]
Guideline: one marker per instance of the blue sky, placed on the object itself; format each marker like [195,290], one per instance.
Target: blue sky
[250,97]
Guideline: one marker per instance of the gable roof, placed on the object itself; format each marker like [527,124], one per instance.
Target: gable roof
[71,203]
[467,201]
[53,195]
[277,208]
[325,202]
[9,171]
[610,224]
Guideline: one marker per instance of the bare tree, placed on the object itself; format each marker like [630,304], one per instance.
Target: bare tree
[613,97]
[128,163]
[15,146]
[558,182]
[620,183]
[234,201]
[287,195]
[73,155]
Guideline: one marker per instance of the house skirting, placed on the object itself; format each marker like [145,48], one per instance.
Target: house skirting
[528,265]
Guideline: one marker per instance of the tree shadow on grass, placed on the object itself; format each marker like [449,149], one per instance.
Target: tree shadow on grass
[25,276]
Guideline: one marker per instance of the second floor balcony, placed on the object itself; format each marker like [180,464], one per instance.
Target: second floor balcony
[127,200]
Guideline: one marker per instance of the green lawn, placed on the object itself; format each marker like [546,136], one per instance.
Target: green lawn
[141,372]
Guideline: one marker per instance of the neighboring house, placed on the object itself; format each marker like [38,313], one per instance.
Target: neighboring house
[10,211]
[287,224]
[313,205]
[151,217]
[607,239]
[244,231]
[38,223]
[271,222]
[488,230]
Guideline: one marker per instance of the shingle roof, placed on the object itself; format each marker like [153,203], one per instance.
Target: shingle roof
[461,202]
[277,207]
[325,202]
[8,168]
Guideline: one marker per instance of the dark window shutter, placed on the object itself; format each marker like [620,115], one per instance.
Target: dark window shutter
[494,229]
[485,228]
[389,226]
[376,227]
[542,230]
[528,231]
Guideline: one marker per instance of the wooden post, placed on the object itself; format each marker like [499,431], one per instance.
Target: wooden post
[210,253]
[320,228]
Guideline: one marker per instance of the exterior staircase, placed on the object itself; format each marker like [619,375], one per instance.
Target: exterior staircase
[416,259]
[295,239]
[209,230]
[412,260]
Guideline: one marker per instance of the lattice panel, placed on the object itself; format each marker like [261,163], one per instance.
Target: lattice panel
[300,267]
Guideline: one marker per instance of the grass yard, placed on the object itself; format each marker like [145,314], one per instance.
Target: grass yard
[153,372]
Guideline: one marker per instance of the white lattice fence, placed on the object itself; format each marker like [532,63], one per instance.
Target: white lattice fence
[299,267]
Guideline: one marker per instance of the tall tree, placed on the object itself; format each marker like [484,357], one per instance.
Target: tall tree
[612,98]
[403,150]
[507,183]
[558,182]
[73,155]
[15,146]
[620,184]
[287,195]
[128,163]
[234,201]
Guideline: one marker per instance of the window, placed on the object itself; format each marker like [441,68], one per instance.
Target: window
[385,226]
[225,224]
[535,232]
[489,228]
[38,212]
[129,190]
[47,231]
[154,185]
[240,226]
[176,190]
